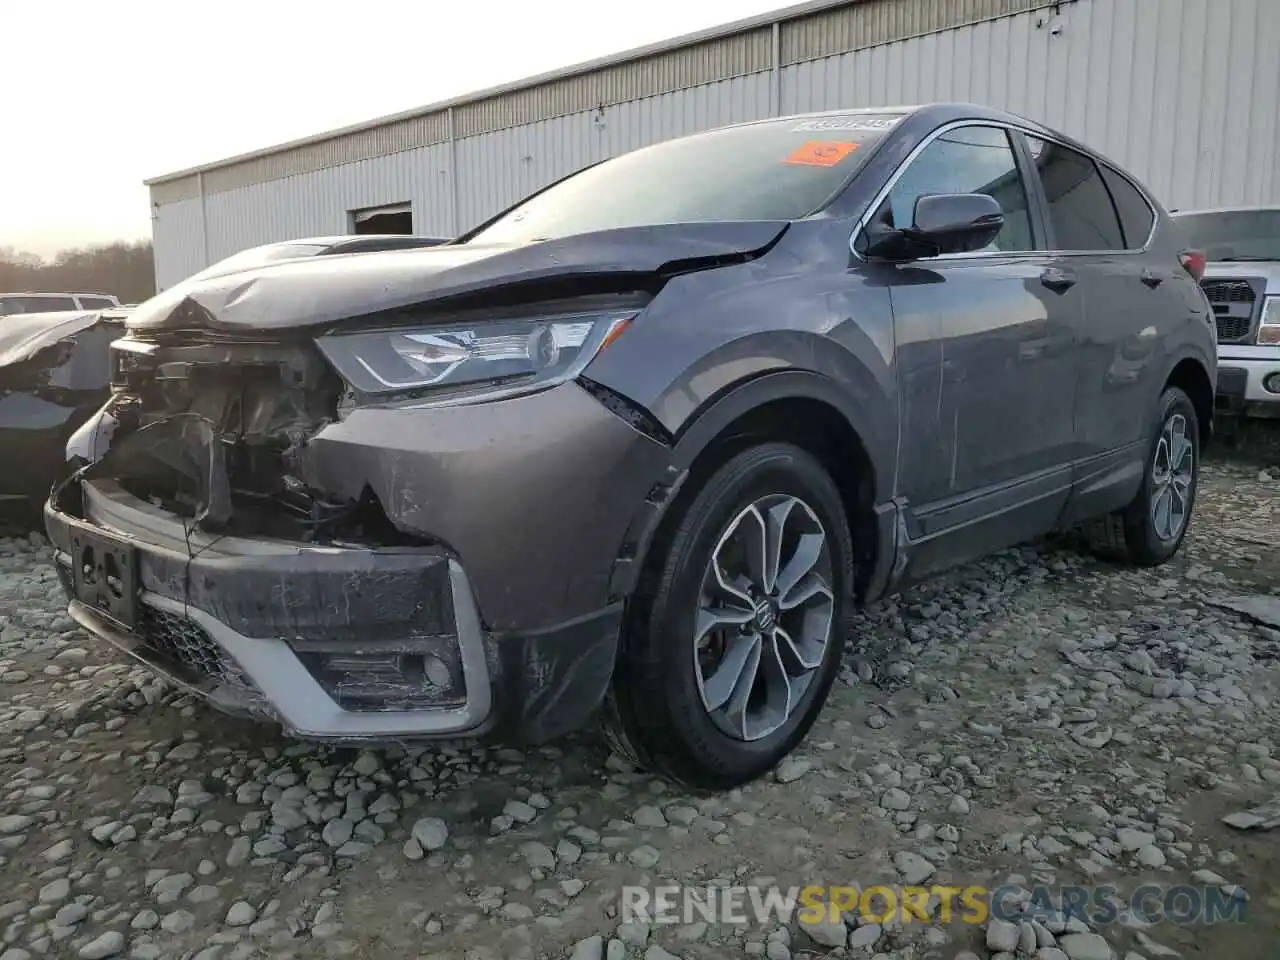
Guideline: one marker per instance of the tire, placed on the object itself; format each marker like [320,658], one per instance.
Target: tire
[655,714]
[1134,535]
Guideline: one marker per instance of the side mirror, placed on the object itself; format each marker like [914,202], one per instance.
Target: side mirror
[943,223]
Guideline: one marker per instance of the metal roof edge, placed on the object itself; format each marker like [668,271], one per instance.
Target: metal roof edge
[1247,208]
[794,12]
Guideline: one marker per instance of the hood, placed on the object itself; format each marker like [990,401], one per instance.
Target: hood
[1268,270]
[22,335]
[320,291]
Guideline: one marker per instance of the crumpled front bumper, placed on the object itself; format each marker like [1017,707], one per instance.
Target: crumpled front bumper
[522,519]
[235,621]
[265,678]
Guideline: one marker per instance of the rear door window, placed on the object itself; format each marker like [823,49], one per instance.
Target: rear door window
[1081,211]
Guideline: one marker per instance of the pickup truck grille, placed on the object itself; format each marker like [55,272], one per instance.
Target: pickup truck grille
[1234,303]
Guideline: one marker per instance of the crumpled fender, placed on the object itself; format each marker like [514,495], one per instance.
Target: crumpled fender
[54,372]
[22,336]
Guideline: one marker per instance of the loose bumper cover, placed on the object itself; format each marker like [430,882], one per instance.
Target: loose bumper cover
[333,643]
[496,611]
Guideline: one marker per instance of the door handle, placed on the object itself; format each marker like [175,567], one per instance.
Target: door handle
[1151,278]
[1058,280]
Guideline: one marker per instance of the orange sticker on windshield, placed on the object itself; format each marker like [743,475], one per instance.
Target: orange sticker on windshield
[821,153]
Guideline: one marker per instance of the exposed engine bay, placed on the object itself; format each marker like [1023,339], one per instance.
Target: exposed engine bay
[214,432]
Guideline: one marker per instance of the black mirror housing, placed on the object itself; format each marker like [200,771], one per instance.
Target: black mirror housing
[943,223]
[957,222]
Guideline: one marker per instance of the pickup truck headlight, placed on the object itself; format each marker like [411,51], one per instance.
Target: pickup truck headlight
[1269,331]
[452,364]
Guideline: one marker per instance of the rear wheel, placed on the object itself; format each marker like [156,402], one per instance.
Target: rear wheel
[1151,528]
[736,632]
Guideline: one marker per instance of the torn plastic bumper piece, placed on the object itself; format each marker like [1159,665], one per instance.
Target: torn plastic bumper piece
[340,644]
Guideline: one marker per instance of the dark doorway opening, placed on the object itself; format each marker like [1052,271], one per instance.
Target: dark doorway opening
[396,219]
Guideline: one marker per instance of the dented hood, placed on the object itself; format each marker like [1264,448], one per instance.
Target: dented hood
[319,291]
[23,335]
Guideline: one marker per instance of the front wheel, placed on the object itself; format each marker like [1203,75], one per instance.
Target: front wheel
[1151,528]
[736,632]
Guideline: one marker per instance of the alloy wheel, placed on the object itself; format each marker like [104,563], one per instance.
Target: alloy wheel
[1172,475]
[764,619]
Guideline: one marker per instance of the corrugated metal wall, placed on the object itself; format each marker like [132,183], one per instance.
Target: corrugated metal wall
[1181,92]
[178,241]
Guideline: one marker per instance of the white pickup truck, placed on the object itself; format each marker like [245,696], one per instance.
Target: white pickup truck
[1242,281]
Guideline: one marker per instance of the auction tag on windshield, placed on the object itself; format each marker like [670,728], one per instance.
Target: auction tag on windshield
[849,123]
[820,153]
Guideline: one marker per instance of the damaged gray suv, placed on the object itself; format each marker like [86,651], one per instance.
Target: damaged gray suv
[635,447]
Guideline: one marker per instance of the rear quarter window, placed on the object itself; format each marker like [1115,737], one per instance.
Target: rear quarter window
[1136,215]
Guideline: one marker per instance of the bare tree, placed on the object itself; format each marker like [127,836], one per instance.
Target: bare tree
[126,270]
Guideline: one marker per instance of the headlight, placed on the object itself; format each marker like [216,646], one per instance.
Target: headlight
[1269,332]
[483,360]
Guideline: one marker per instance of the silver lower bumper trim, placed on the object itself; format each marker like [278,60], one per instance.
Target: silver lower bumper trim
[291,694]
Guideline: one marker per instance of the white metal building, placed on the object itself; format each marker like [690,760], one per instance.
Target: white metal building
[1183,93]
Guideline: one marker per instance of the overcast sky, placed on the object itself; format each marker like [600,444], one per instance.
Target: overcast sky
[98,96]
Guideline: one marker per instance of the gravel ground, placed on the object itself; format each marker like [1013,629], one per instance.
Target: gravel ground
[1037,718]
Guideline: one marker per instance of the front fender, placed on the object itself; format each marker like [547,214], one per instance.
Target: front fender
[714,346]
[796,310]
[711,420]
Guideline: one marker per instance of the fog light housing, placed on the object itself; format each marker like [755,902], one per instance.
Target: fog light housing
[404,675]
[1271,382]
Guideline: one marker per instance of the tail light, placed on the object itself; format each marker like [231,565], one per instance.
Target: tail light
[1193,261]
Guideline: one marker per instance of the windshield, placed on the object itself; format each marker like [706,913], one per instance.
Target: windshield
[1234,235]
[256,256]
[777,170]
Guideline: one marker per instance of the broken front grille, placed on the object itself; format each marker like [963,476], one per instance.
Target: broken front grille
[186,644]
[1234,303]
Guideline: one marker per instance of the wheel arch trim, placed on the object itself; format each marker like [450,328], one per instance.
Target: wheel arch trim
[706,425]
[1208,368]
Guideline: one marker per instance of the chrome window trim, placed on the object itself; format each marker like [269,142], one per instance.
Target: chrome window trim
[1008,128]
